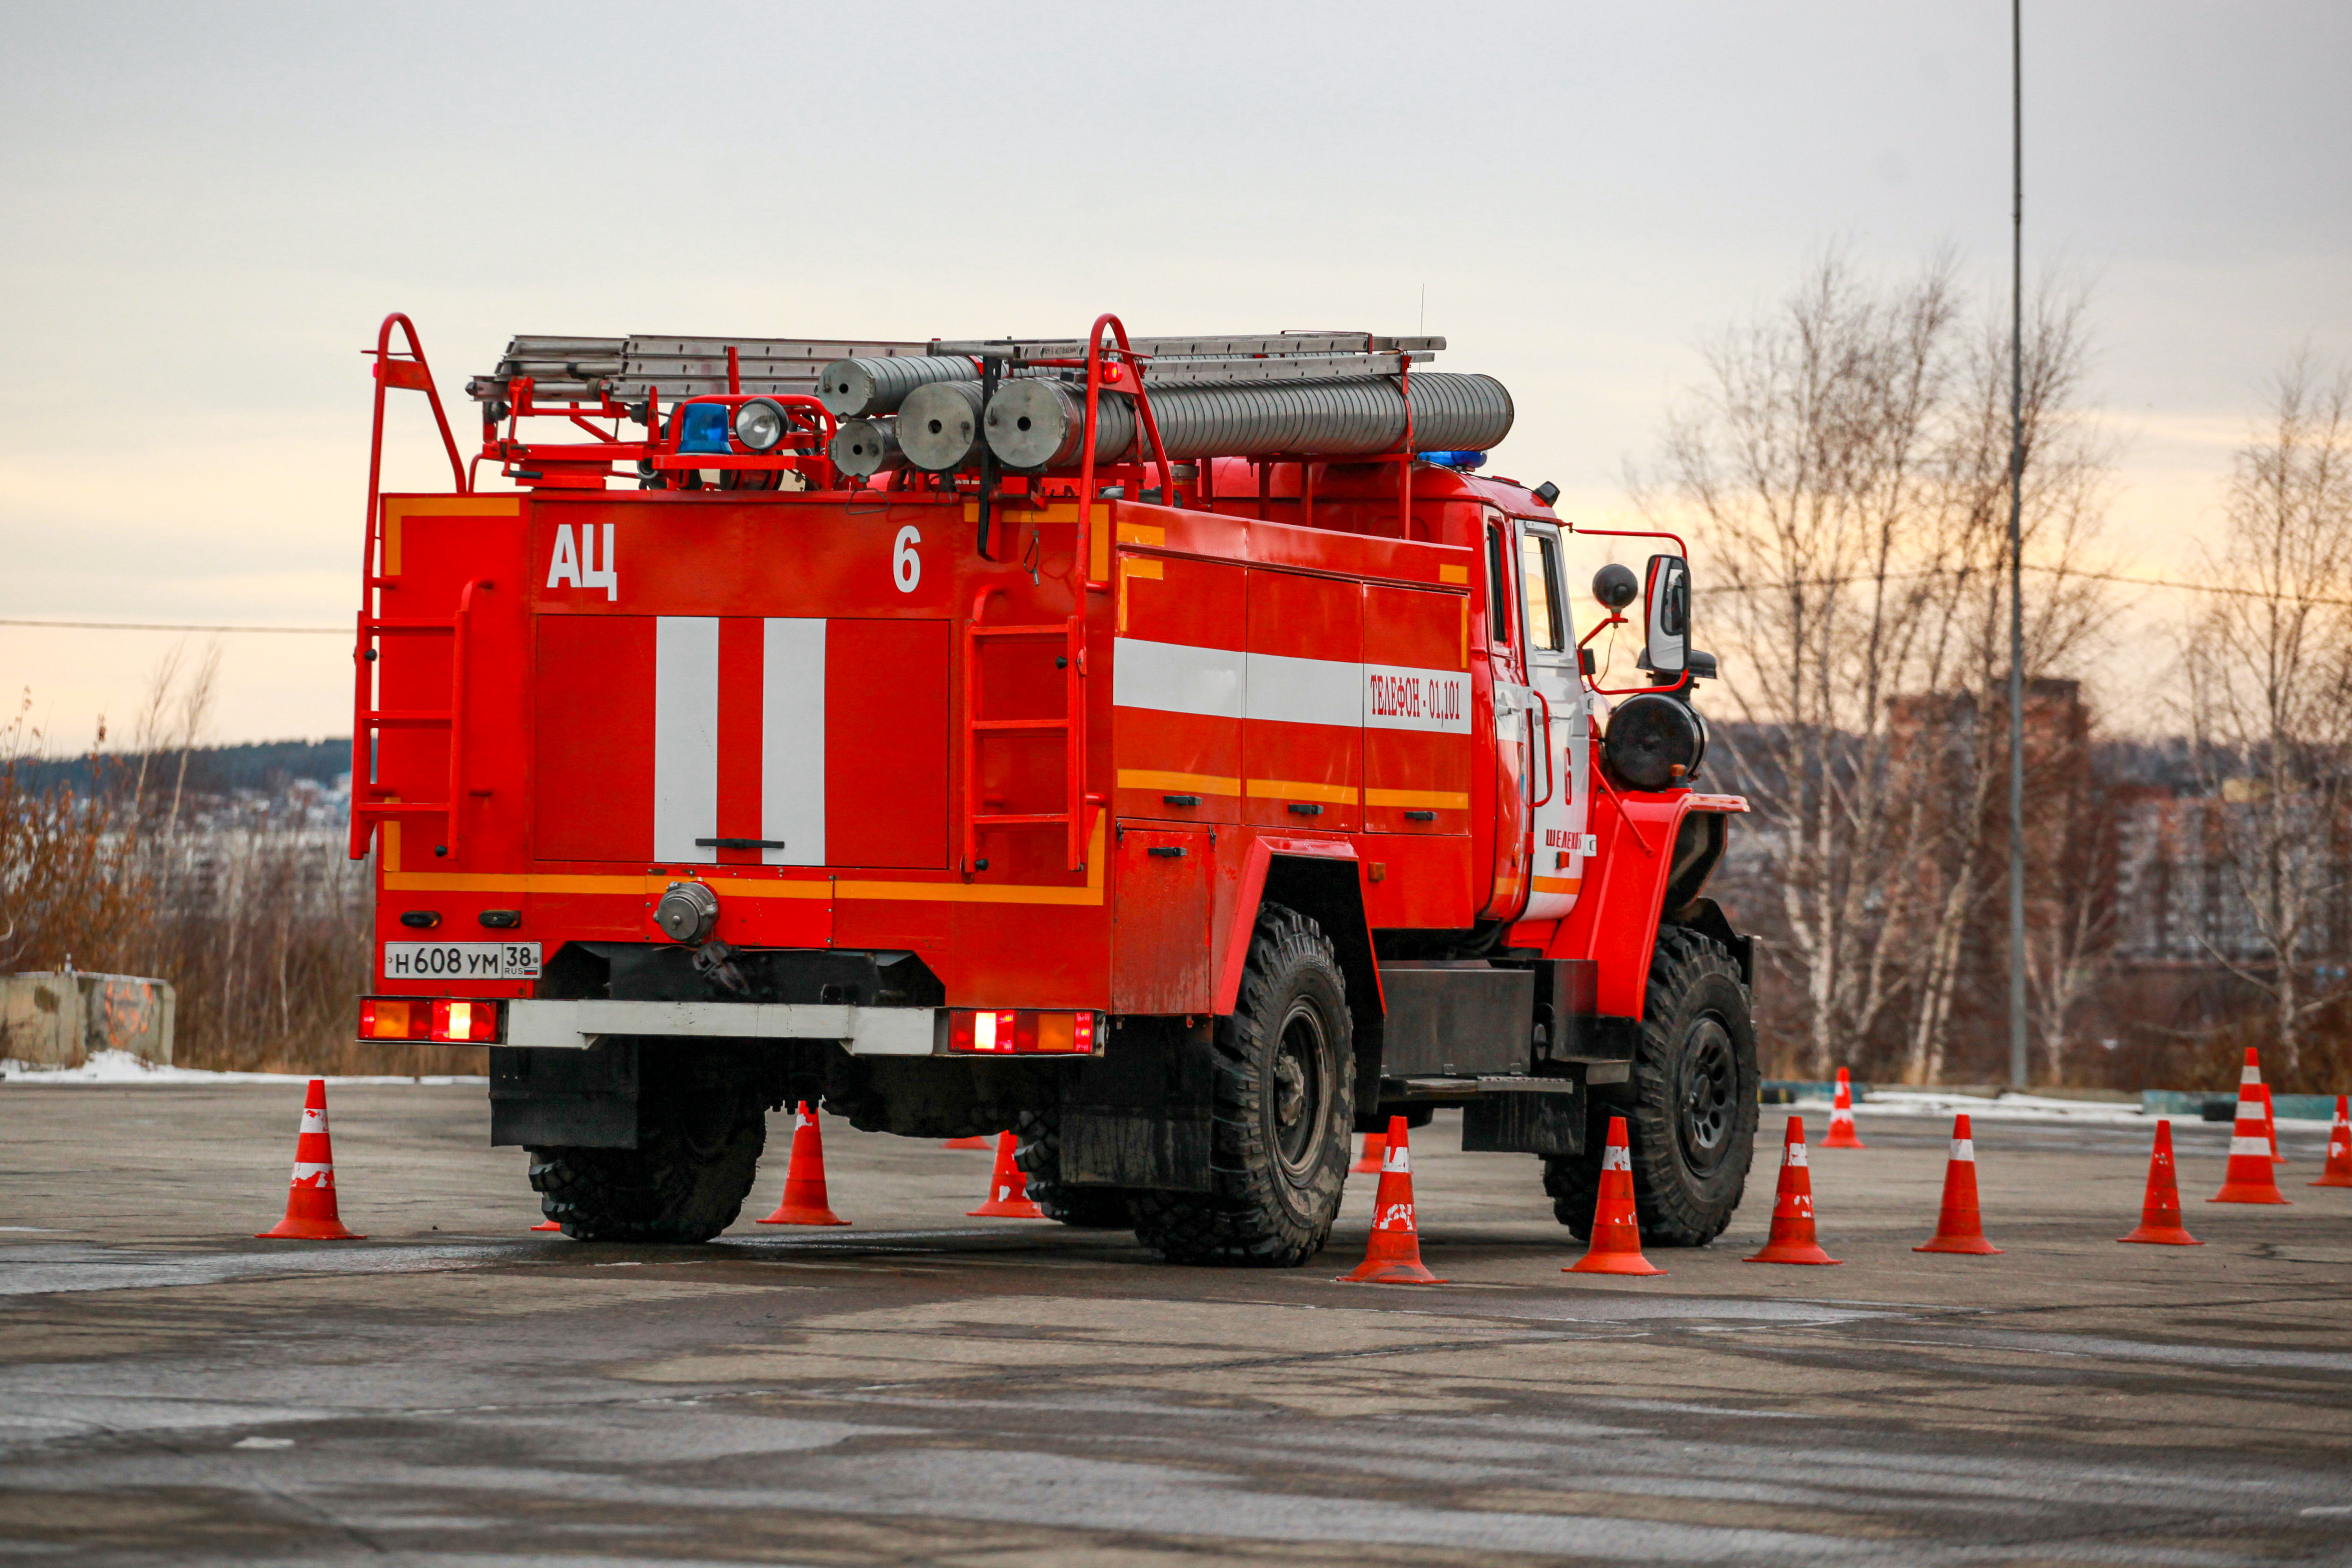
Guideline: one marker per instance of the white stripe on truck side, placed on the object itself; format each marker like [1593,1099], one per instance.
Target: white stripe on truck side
[686,737]
[1177,677]
[1306,690]
[792,741]
[1226,683]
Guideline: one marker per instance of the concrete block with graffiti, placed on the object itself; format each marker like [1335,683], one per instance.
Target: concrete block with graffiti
[51,1019]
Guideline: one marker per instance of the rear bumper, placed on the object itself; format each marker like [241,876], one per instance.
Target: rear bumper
[863,1031]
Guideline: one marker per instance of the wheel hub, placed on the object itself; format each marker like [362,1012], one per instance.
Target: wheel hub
[1289,1093]
[1299,1089]
[1709,1079]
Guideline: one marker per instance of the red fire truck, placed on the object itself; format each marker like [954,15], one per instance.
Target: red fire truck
[1173,750]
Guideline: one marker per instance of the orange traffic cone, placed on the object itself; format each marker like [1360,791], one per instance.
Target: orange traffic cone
[2251,1087]
[1376,1146]
[1616,1234]
[2249,1179]
[1841,1117]
[1008,1189]
[973,1142]
[1959,1227]
[311,1197]
[1393,1256]
[547,1224]
[804,1201]
[2338,1173]
[1791,1241]
[2159,1213]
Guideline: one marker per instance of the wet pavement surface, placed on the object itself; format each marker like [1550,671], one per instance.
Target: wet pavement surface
[926,1388]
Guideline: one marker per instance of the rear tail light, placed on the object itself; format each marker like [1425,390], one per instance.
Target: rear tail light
[1023,1031]
[465,1022]
[393,1017]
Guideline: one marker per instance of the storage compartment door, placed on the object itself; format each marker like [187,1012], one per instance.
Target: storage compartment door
[886,744]
[1416,711]
[592,772]
[1303,741]
[1159,961]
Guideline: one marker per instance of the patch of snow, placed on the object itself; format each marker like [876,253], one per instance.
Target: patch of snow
[2008,1107]
[121,1066]
[2013,1108]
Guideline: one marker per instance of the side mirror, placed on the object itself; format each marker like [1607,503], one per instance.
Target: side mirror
[1667,650]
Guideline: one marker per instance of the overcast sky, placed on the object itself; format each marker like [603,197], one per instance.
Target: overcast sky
[211,207]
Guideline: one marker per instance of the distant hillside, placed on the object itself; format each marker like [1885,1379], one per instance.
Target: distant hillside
[267,766]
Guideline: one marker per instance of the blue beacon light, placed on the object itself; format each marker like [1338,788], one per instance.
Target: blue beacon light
[706,430]
[1455,459]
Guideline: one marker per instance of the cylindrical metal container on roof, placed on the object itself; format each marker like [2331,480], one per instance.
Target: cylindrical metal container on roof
[861,388]
[939,426]
[1035,423]
[865,447]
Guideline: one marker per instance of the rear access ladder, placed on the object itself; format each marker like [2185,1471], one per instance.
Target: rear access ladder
[1071,727]
[371,803]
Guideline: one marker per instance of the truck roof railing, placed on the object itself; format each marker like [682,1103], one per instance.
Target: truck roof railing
[1284,356]
[792,416]
[590,370]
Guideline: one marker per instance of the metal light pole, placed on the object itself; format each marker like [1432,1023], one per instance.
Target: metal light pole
[2017,1056]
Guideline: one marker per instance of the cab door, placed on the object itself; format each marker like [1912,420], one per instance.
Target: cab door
[1560,737]
[1516,709]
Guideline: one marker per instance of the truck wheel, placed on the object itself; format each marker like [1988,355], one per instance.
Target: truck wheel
[1037,1149]
[1572,1181]
[697,1151]
[1692,1120]
[1285,1100]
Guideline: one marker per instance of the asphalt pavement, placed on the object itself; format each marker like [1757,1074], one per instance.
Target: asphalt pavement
[926,1388]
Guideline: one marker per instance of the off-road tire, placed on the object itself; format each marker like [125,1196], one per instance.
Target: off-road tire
[1037,1149]
[1572,1181]
[1691,1119]
[1285,1104]
[698,1152]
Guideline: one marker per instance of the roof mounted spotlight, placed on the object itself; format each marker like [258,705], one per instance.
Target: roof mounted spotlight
[760,423]
[1547,492]
[1455,459]
[705,431]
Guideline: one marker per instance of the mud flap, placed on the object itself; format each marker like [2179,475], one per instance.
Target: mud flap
[1547,1122]
[1139,1115]
[565,1098]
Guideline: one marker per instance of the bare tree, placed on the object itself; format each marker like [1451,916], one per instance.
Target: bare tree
[2071,903]
[148,726]
[1964,824]
[1844,469]
[2270,683]
[195,709]
[1805,460]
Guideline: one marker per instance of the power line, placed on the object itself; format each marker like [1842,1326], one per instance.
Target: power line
[2222,588]
[2191,587]
[172,627]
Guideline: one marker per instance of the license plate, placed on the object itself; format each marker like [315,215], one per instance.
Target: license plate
[460,960]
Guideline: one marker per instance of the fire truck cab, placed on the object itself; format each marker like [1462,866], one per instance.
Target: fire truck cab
[1173,751]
